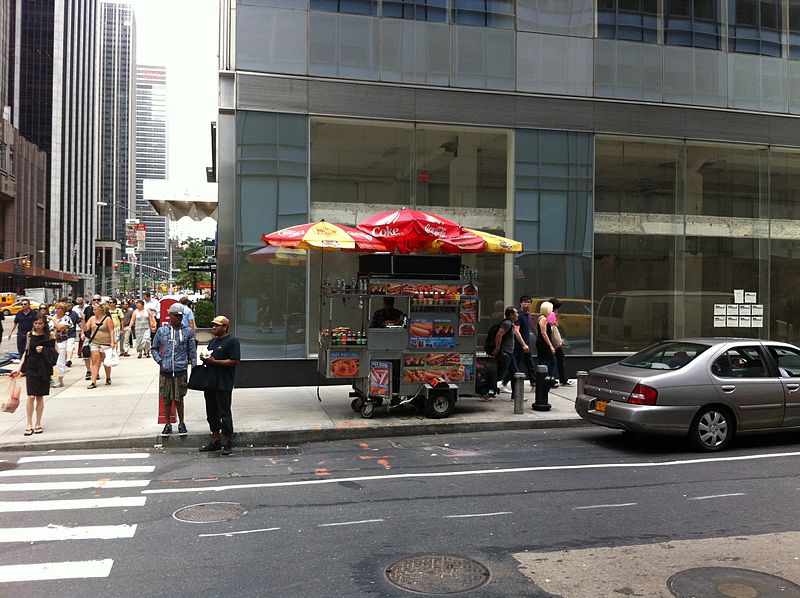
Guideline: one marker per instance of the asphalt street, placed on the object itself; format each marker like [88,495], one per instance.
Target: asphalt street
[564,512]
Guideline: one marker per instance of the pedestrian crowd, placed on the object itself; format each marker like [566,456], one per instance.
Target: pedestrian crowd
[522,340]
[100,331]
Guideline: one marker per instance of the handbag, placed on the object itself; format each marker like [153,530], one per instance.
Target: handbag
[556,336]
[111,358]
[86,352]
[50,356]
[201,378]
[11,401]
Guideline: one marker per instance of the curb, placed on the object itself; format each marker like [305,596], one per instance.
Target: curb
[294,437]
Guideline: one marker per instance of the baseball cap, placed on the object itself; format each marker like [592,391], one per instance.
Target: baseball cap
[96,297]
[176,308]
[221,320]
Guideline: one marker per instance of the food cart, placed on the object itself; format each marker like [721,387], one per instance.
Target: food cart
[411,336]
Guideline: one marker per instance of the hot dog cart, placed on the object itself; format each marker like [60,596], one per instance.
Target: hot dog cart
[403,331]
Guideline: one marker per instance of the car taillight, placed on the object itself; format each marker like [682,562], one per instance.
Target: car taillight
[643,395]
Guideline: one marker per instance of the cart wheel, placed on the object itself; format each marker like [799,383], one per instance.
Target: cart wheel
[367,409]
[440,405]
[356,403]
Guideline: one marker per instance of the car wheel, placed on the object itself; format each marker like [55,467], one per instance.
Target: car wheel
[712,429]
[6,312]
[440,405]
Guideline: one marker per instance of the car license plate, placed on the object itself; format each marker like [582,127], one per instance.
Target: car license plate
[600,406]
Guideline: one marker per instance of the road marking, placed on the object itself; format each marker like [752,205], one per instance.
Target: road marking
[350,522]
[33,486]
[622,504]
[77,503]
[83,457]
[470,472]
[56,532]
[478,515]
[66,570]
[249,531]
[77,470]
[717,496]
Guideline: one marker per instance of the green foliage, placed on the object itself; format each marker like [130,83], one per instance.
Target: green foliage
[192,251]
[203,313]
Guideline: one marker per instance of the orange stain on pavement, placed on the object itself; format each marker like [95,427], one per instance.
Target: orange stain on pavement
[378,457]
[322,471]
[363,445]
[384,462]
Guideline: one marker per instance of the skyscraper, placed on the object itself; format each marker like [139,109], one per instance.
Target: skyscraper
[151,158]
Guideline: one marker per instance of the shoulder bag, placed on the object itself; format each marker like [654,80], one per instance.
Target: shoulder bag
[201,378]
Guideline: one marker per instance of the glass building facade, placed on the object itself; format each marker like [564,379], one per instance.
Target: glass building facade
[644,153]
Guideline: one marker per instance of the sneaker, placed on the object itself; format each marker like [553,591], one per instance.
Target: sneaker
[88,375]
[69,363]
[505,389]
[212,446]
[182,431]
[167,430]
[226,450]
[569,382]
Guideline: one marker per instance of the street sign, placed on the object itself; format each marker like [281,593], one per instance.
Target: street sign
[124,268]
[141,235]
[130,233]
[201,267]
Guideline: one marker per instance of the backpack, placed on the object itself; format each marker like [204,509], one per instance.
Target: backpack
[491,336]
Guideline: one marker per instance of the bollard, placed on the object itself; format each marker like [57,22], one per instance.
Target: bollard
[582,375]
[518,392]
[542,389]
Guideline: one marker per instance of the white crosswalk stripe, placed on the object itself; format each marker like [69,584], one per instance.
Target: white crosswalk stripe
[95,483]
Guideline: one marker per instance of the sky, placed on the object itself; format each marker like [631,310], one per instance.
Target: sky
[183,36]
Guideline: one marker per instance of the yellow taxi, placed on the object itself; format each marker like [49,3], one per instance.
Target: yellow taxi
[12,310]
[574,317]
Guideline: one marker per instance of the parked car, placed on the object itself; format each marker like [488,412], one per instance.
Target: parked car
[708,388]
[11,310]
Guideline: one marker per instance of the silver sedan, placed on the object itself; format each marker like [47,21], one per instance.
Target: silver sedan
[708,388]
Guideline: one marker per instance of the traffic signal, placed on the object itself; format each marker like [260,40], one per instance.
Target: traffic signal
[116,267]
[26,263]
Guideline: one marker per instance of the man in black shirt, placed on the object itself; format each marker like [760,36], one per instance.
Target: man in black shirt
[24,319]
[388,315]
[222,358]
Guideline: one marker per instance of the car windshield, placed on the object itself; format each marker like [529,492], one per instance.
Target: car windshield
[665,356]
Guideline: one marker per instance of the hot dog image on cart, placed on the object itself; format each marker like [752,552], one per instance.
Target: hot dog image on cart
[412,310]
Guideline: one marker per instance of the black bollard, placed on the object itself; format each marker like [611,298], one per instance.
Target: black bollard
[542,389]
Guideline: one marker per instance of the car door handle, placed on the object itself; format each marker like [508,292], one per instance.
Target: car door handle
[792,387]
[728,388]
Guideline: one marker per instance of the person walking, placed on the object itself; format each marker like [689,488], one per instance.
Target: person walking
[117,316]
[61,325]
[174,350]
[154,305]
[504,346]
[127,311]
[545,350]
[142,321]
[222,358]
[100,336]
[72,335]
[559,343]
[24,321]
[37,365]
[522,335]
[88,313]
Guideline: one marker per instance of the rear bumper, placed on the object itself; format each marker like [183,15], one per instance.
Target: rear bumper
[644,419]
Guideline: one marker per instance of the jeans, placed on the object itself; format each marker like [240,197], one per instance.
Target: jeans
[218,412]
[524,363]
[562,370]
[506,367]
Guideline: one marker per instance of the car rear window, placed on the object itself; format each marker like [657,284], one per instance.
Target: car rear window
[665,356]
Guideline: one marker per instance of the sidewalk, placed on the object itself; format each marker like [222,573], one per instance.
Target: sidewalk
[124,415]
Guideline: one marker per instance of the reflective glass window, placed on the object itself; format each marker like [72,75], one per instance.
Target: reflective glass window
[794,29]
[754,27]
[355,7]
[421,10]
[634,20]
[484,13]
[740,362]
[693,23]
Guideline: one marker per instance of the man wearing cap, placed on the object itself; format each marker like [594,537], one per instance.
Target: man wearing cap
[174,349]
[222,358]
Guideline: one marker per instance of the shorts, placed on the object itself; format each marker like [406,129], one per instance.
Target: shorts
[70,344]
[172,389]
[101,348]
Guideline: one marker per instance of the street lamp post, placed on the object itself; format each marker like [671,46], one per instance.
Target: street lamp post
[103,204]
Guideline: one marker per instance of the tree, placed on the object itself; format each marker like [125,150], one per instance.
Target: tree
[192,251]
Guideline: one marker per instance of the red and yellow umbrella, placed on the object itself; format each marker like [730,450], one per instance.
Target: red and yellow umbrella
[476,241]
[406,231]
[324,235]
[279,256]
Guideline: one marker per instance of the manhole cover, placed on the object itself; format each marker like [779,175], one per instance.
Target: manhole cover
[730,582]
[437,574]
[209,512]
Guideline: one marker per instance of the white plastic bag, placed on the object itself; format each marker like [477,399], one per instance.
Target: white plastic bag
[111,358]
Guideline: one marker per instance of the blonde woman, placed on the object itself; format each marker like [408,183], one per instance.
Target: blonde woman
[99,331]
[545,349]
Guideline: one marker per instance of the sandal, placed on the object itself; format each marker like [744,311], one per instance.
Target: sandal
[92,385]
[38,430]
[29,432]
[108,381]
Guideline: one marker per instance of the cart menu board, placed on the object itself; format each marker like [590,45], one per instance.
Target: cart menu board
[380,379]
[344,364]
[467,317]
[419,368]
[431,332]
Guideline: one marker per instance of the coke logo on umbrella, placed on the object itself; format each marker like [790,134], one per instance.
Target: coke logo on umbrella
[385,232]
[326,230]
[437,231]
[506,245]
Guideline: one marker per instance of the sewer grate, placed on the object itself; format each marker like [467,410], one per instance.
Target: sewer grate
[209,512]
[730,582]
[437,574]
[269,451]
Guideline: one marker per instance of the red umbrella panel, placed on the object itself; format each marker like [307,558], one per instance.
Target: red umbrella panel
[324,235]
[406,231]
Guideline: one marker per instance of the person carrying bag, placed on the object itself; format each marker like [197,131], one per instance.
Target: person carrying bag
[86,351]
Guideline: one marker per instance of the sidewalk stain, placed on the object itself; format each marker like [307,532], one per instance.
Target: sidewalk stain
[363,445]
[322,471]
[384,462]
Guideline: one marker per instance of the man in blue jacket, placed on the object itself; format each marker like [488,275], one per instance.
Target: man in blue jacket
[174,348]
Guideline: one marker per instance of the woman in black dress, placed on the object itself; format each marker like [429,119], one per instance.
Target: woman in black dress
[37,364]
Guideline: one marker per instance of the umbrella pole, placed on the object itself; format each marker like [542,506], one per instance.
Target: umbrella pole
[319,317]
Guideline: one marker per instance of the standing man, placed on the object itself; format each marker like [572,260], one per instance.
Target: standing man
[188,314]
[154,306]
[24,320]
[222,358]
[174,350]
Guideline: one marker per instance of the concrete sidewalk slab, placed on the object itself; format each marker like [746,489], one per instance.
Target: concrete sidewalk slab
[124,415]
